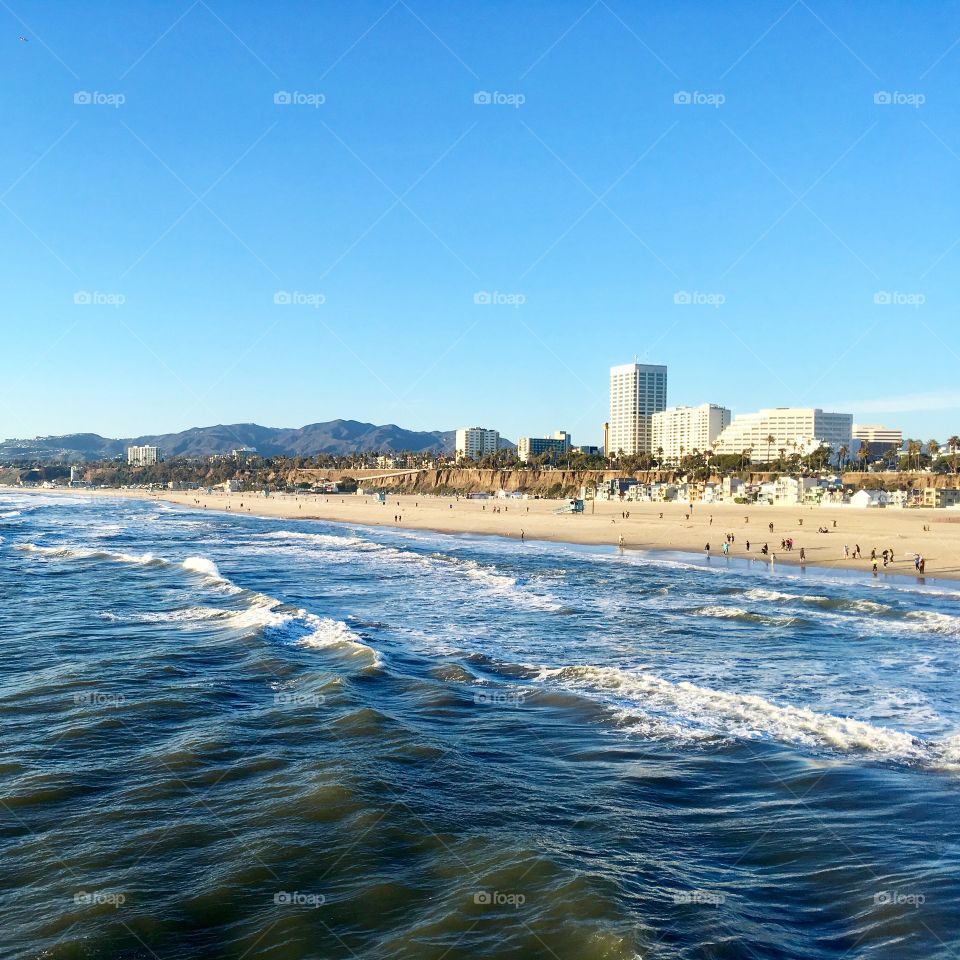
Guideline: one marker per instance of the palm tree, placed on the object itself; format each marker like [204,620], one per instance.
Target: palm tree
[771,440]
[841,457]
[954,444]
[863,454]
[933,448]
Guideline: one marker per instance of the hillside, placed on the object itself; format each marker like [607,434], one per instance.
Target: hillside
[334,436]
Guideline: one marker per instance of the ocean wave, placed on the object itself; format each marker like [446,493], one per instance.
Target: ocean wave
[90,553]
[10,514]
[207,569]
[260,611]
[487,575]
[688,708]
[747,616]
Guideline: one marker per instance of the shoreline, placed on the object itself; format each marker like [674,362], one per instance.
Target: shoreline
[650,527]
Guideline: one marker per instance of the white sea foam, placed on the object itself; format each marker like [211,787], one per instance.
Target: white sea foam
[9,514]
[932,621]
[775,596]
[686,707]
[184,615]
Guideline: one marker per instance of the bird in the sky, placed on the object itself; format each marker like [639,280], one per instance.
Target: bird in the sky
[24,40]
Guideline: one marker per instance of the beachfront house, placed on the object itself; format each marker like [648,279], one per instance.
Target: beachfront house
[869,498]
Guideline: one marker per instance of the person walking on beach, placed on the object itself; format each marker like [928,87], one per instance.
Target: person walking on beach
[803,555]
[856,552]
[748,546]
[923,566]
[620,544]
[706,549]
[521,534]
[846,552]
[874,566]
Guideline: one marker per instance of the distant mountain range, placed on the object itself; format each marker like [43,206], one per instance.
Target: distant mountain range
[335,436]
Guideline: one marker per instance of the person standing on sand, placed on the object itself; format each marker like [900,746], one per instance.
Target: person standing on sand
[706,549]
[846,552]
[803,555]
[874,566]
[923,566]
[620,544]
[521,534]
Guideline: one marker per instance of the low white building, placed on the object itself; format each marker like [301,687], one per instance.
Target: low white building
[868,498]
[793,490]
[791,429]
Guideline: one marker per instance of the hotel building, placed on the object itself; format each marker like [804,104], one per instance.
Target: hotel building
[793,429]
[528,447]
[878,436]
[472,443]
[681,430]
[142,456]
[637,392]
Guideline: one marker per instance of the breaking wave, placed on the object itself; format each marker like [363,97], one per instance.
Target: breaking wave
[695,712]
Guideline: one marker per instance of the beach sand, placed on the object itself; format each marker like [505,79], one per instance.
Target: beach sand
[650,526]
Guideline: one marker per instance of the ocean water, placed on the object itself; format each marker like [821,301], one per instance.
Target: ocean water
[232,737]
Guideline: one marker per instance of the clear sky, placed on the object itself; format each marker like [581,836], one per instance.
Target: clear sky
[814,231]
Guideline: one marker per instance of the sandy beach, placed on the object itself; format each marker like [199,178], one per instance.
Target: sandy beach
[934,534]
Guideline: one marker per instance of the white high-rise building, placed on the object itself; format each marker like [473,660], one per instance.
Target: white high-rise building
[475,442]
[681,430]
[637,392]
[792,429]
[142,456]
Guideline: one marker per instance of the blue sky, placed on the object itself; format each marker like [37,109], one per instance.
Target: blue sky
[813,230]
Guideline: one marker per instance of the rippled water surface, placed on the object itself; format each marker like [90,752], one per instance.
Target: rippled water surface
[231,737]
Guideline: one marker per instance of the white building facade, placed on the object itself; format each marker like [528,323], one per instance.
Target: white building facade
[793,429]
[637,392]
[472,443]
[873,433]
[681,430]
[142,456]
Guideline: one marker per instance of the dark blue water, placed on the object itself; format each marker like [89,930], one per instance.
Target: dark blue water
[230,737]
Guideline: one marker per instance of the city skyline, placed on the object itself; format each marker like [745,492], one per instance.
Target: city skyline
[409,210]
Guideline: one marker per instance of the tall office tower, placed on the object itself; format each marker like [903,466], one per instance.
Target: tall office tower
[637,392]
